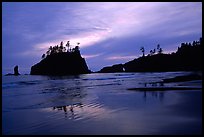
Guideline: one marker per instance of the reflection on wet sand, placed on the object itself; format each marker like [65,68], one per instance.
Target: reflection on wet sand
[101,104]
[159,95]
[153,84]
[159,86]
[69,108]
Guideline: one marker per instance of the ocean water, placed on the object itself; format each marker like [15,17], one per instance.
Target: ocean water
[99,104]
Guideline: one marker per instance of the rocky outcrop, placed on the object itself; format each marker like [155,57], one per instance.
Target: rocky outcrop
[64,63]
[16,73]
[187,58]
[112,69]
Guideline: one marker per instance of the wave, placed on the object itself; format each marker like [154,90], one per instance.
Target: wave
[21,83]
[9,85]
[98,78]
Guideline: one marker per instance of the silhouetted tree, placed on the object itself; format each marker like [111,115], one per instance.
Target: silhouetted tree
[76,49]
[197,43]
[68,46]
[201,40]
[154,51]
[194,43]
[59,49]
[158,46]
[160,51]
[151,52]
[49,50]
[72,49]
[43,56]
[61,44]
[64,49]
[143,51]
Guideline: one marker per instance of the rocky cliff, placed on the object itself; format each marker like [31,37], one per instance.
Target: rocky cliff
[64,63]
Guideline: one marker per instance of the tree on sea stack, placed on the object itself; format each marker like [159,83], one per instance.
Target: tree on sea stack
[61,62]
[143,51]
[43,56]
[160,50]
[60,49]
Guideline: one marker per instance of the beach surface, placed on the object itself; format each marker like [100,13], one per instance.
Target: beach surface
[101,104]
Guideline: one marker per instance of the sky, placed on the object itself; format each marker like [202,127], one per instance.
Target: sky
[109,32]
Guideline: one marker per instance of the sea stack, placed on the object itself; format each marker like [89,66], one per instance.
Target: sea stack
[16,73]
[61,63]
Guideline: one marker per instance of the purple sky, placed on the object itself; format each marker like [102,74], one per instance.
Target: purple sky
[109,33]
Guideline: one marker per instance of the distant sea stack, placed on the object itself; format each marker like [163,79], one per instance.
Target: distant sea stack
[188,57]
[16,73]
[61,62]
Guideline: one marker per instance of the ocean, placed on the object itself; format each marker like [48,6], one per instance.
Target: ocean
[99,104]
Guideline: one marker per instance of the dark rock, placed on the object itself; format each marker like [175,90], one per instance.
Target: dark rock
[112,69]
[61,64]
[16,71]
[187,58]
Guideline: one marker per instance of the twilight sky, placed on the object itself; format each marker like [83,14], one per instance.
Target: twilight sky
[109,32]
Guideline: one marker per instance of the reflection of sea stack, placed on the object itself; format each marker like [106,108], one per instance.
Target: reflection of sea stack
[16,70]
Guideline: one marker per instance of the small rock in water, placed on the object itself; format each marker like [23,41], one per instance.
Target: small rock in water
[16,70]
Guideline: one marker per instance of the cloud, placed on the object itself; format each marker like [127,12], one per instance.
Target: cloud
[121,57]
[117,29]
[91,56]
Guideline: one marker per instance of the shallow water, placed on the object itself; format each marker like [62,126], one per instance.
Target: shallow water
[99,104]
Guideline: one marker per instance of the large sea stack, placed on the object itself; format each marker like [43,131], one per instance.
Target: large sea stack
[64,63]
